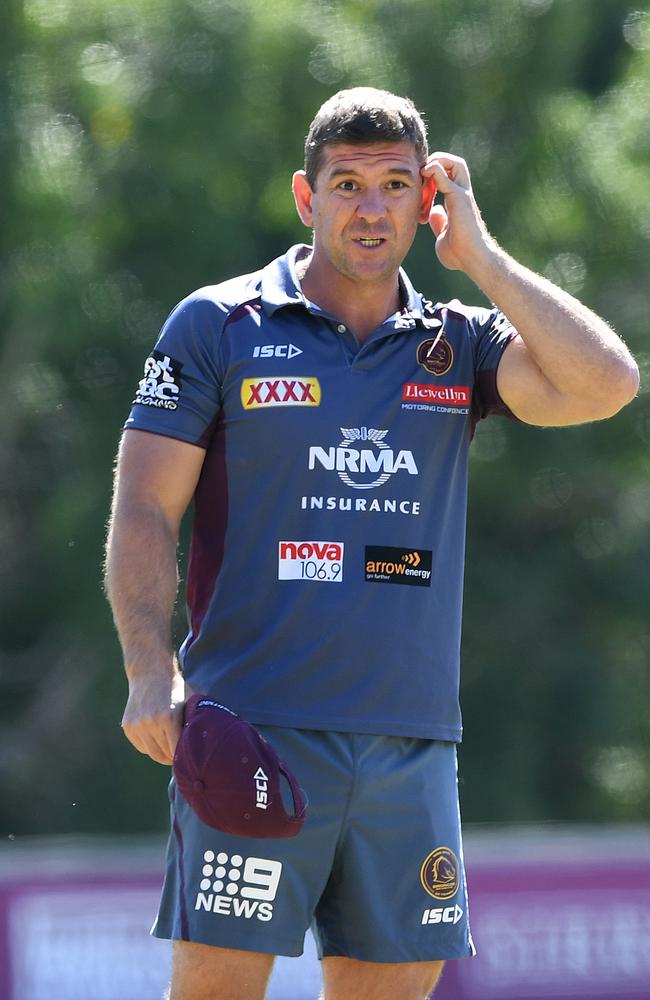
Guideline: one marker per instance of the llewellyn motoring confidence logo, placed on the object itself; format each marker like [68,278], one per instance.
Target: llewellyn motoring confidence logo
[388,564]
[449,395]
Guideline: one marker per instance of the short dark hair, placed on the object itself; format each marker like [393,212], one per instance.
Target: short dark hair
[361,115]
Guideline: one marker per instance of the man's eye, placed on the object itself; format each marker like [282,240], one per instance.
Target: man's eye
[396,185]
[347,186]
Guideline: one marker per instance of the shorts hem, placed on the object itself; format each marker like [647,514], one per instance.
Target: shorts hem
[268,947]
[385,957]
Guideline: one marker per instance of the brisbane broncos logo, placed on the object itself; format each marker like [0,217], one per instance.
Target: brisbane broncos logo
[440,873]
[436,354]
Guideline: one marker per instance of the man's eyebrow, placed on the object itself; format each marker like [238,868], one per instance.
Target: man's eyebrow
[403,171]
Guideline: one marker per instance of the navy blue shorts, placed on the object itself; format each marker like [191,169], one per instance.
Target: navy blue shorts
[377,870]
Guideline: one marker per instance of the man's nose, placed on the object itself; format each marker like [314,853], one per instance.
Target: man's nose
[372,205]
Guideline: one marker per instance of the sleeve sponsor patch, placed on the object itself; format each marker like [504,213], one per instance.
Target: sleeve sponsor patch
[161,383]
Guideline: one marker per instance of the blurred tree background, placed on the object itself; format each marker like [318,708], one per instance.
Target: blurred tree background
[146,149]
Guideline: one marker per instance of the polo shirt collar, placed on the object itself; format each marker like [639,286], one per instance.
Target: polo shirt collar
[281,287]
[280,284]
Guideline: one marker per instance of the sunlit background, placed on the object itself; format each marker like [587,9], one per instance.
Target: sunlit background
[146,148]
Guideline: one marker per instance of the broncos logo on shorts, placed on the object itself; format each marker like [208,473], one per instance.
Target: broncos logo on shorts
[440,873]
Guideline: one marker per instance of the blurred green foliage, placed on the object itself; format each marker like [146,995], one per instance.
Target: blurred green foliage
[146,150]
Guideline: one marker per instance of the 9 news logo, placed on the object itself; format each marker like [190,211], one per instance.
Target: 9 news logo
[233,886]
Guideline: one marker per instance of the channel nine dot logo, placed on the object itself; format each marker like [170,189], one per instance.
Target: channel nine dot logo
[440,873]
[220,872]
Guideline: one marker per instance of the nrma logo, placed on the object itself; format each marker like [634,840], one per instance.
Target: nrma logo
[360,456]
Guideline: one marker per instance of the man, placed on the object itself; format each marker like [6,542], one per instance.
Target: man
[319,413]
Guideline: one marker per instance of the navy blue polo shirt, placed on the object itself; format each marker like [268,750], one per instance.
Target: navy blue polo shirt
[325,576]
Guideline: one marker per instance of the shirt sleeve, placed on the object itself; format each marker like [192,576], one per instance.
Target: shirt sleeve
[179,394]
[492,333]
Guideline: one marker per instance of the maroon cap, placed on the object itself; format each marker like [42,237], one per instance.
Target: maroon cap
[230,775]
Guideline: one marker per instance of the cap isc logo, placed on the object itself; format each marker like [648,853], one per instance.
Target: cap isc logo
[436,355]
[440,873]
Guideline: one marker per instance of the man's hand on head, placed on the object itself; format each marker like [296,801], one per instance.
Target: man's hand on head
[461,235]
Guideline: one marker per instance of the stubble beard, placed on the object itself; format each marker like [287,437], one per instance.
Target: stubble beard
[355,271]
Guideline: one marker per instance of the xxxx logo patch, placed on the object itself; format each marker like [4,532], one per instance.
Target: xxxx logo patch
[301,390]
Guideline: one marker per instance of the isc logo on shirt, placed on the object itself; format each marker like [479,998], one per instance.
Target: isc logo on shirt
[276,351]
[301,390]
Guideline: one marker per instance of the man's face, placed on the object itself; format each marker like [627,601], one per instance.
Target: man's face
[366,207]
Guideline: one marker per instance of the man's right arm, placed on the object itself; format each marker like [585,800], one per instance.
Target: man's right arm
[154,483]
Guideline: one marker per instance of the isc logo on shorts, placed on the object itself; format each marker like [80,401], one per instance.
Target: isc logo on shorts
[301,390]
[442,915]
[233,886]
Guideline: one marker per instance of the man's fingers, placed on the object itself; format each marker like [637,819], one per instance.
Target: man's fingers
[154,737]
[153,717]
[147,745]
[444,183]
[160,756]
[438,220]
[447,171]
[173,726]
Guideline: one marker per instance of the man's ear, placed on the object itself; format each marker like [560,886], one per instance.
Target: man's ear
[302,194]
[428,194]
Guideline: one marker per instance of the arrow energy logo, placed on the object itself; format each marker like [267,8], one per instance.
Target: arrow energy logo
[387,564]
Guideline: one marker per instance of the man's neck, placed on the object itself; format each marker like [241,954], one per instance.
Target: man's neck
[361,306]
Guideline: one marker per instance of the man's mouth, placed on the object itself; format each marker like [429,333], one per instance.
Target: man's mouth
[367,241]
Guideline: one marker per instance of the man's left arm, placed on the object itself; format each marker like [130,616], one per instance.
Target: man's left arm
[567,366]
